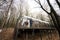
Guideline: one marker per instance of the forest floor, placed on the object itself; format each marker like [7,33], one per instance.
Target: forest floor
[8,35]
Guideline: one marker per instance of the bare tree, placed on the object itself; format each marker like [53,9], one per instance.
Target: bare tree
[6,15]
[52,13]
[58,3]
[18,19]
[55,16]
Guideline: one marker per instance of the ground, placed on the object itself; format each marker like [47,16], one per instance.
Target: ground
[8,35]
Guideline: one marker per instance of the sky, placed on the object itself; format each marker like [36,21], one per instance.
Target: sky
[34,7]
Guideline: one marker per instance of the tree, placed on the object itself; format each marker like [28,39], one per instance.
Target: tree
[58,3]
[6,14]
[52,13]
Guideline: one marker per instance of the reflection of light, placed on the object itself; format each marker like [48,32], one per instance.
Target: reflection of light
[0,30]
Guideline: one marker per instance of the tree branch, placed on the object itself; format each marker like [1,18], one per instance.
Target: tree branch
[58,3]
[5,21]
[54,17]
[42,6]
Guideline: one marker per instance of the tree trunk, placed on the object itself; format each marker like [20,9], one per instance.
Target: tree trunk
[54,17]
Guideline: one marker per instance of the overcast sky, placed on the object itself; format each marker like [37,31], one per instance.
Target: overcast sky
[34,7]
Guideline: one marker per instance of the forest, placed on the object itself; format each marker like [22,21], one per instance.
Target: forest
[42,16]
